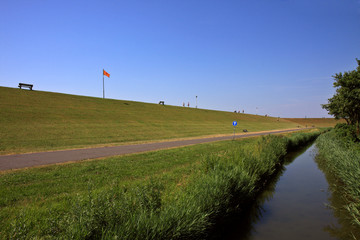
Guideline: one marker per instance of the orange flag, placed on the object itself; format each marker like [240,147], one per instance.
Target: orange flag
[106,73]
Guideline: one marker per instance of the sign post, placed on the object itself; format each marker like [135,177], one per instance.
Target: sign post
[234,124]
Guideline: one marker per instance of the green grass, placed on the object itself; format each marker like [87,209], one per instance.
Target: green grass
[340,160]
[36,121]
[316,122]
[55,187]
[168,194]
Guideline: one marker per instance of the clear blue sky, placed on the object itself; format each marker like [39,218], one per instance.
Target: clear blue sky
[277,56]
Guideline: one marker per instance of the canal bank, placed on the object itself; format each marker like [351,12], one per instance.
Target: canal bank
[227,177]
[339,158]
[293,205]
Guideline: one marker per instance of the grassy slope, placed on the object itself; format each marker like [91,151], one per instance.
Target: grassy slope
[317,122]
[36,121]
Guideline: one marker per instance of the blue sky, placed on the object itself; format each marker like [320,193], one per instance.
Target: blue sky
[267,57]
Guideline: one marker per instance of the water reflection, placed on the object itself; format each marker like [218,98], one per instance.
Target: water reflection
[292,205]
[240,225]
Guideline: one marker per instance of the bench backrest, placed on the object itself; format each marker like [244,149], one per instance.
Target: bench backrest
[25,84]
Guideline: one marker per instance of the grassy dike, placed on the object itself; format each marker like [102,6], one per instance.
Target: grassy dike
[317,122]
[38,121]
[340,160]
[169,194]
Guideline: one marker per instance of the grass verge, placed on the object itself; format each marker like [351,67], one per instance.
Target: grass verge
[168,194]
[340,160]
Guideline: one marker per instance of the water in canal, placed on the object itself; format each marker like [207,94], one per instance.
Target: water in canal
[293,206]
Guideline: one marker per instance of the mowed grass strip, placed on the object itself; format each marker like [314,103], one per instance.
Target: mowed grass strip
[37,121]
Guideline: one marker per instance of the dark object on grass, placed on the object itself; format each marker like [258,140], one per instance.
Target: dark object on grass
[245,130]
[162,102]
[30,86]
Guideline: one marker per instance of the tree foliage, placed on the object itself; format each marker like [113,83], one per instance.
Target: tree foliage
[345,104]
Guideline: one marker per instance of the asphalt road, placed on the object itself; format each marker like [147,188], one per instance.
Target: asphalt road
[17,161]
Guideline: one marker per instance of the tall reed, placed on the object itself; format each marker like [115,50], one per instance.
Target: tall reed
[341,158]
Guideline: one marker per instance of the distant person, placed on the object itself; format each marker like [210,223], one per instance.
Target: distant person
[243,111]
[188,104]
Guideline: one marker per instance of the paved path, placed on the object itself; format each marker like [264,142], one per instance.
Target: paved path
[8,162]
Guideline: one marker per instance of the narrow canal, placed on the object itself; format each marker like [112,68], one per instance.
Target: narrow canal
[293,205]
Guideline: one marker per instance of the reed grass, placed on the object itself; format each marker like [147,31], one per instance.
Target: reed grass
[340,158]
[222,180]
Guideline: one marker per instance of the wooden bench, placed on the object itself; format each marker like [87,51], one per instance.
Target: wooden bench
[162,102]
[30,86]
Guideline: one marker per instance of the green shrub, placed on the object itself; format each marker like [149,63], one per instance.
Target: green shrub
[346,132]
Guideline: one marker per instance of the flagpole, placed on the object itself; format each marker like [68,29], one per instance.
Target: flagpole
[103,85]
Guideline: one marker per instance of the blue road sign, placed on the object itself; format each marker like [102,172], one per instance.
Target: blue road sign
[234,123]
